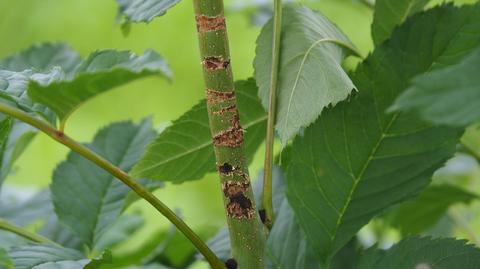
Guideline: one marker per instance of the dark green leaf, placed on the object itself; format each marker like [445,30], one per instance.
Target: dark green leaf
[449,96]
[102,71]
[52,257]
[122,229]
[426,210]
[178,154]
[99,197]
[391,13]
[445,253]
[19,137]
[310,72]
[42,58]
[356,161]
[144,10]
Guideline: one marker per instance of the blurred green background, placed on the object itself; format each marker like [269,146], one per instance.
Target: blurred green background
[88,25]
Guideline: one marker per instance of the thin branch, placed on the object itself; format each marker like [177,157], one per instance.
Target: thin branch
[119,174]
[267,198]
[10,227]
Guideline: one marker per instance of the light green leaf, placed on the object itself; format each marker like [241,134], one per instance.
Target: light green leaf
[178,154]
[449,96]
[310,72]
[144,10]
[391,13]
[18,138]
[42,58]
[444,253]
[100,72]
[356,161]
[426,210]
[99,197]
[5,261]
[52,257]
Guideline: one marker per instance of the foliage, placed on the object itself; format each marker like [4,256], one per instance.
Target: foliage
[355,145]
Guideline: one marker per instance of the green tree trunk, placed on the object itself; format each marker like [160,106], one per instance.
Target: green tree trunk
[246,231]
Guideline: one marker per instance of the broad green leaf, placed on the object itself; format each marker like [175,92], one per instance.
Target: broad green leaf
[310,72]
[449,96]
[43,57]
[415,252]
[124,227]
[100,72]
[50,257]
[143,10]
[356,161]
[391,13]
[18,138]
[23,213]
[178,154]
[99,197]
[426,210]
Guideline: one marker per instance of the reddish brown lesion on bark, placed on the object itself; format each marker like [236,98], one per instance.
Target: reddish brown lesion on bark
[215,63]
[214,96]
[223,110]
[239,205]
[209,24]
[233,136]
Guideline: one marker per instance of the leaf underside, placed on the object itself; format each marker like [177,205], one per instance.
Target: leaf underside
[310,72]
[356,160]
[143,10]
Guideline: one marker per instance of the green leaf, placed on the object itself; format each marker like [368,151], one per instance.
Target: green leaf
[122,229]
[18,138]
[449,96]
[42,58]
[100,72]
[143,10]
[50,257]
[391,13]
[99,197]
[5,261]
[310,72]
[177,154]
[444,253]
[426,210]
[356,161]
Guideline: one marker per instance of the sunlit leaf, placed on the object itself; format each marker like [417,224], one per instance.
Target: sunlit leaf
[310,72]
[391,13]
[178,154]
[356,160]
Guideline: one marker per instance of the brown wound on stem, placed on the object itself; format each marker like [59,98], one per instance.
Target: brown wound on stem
[209,24]
[215,63]
[232,137]
[214,96]
[239,205]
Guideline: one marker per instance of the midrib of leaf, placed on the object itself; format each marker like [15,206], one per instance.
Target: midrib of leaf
[200,147]
[358,178]
[302,64]
[112,180]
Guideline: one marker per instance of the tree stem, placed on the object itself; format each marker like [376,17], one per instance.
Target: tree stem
[247,234]
[267,198]
[119,174]
[10,227]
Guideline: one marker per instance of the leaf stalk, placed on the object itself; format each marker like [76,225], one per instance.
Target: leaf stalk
[10,227]
[267,197]
[118,173]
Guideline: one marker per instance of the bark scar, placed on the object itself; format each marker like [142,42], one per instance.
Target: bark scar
[239,205]
[214,96]
[209,24]
[215,63]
